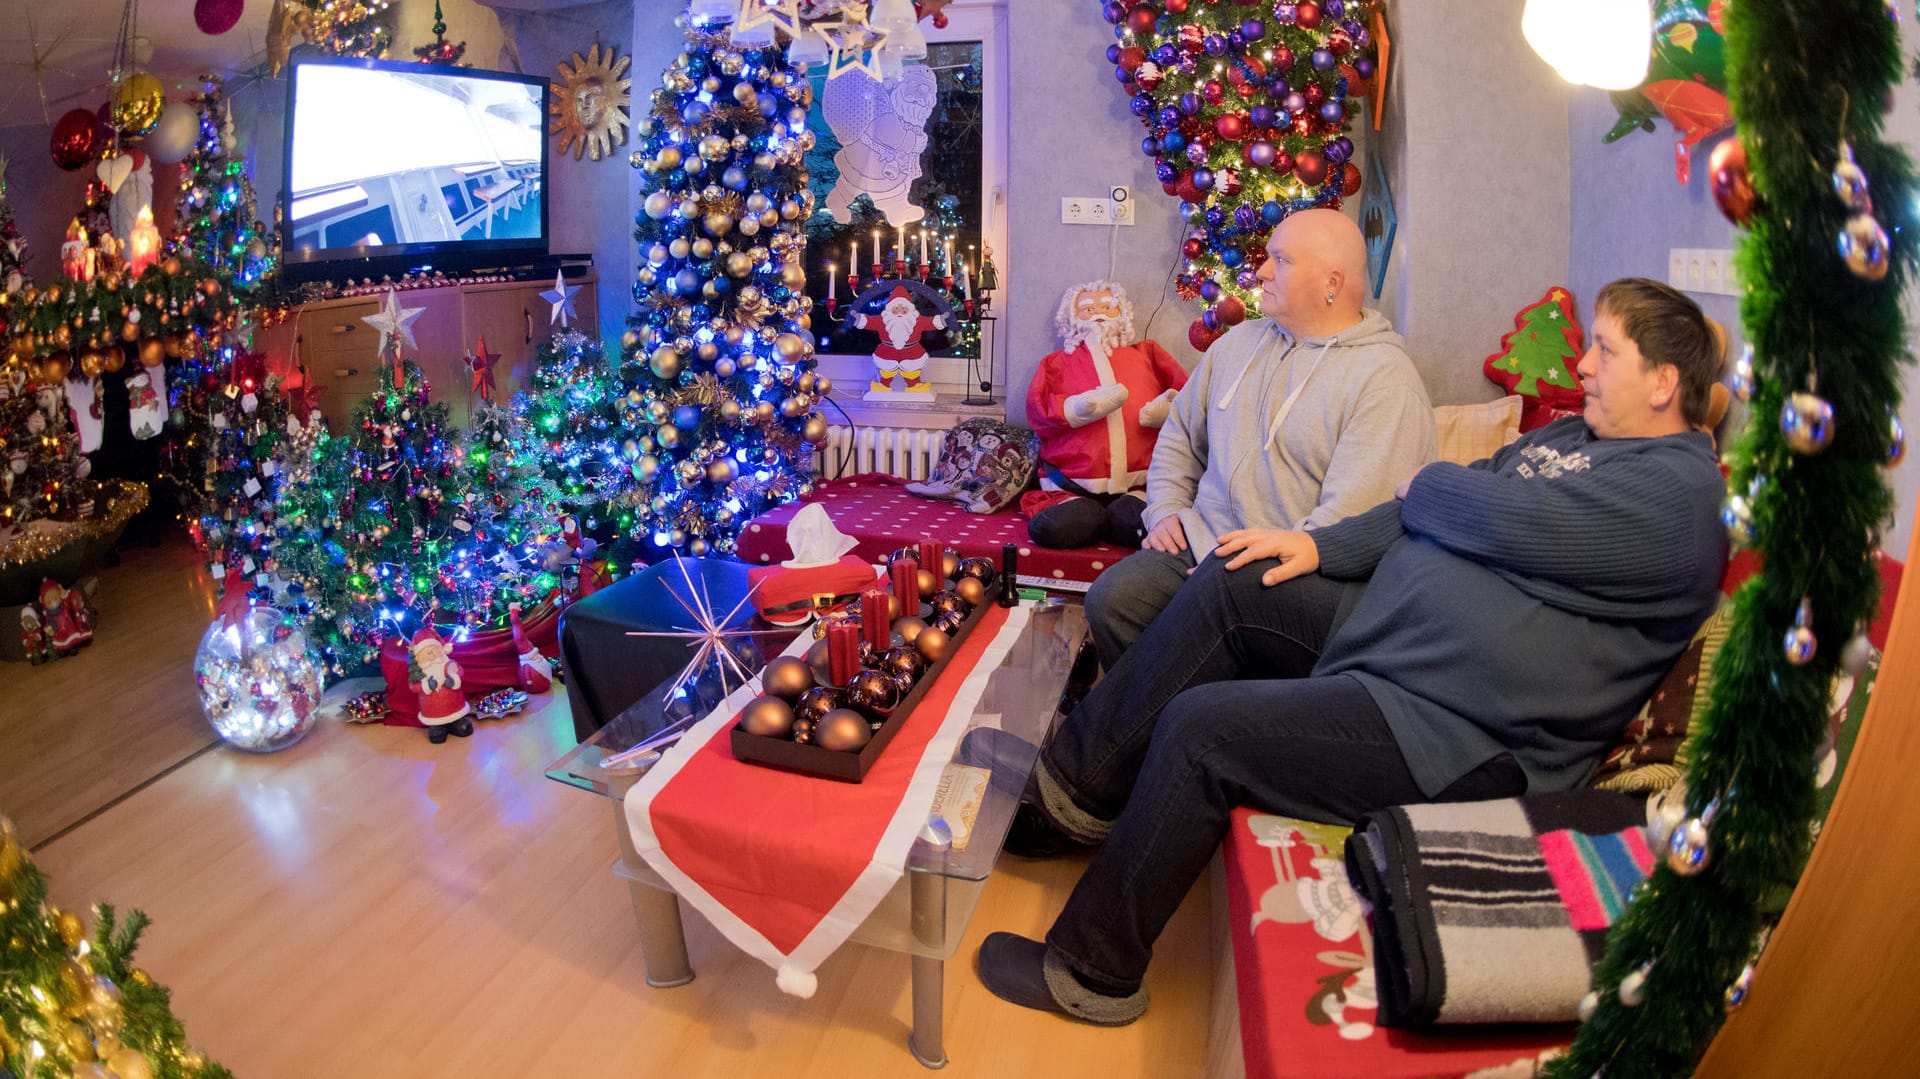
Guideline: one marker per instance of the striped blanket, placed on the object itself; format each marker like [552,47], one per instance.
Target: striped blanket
[1494,912]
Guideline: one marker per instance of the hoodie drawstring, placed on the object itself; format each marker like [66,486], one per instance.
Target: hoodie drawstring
[1286,406]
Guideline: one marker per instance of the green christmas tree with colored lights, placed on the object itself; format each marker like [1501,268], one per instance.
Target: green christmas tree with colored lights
[721,412]
[216,213]
[566,439]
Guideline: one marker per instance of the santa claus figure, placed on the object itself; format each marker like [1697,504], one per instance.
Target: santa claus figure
[536,674]
[900,357]
[1097,405]
[65,617]
[435,677]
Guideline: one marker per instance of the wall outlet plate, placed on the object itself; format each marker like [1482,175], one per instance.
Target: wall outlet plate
[1086,210]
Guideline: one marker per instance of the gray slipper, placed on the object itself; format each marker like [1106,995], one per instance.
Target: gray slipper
[1028,973]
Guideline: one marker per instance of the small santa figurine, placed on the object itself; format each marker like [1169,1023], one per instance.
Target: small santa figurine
[435,677]
[65,617]
[900,357]
[536,674]
[1097,405]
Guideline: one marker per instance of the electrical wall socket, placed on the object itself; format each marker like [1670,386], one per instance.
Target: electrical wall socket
[1706,270]
[1083,210]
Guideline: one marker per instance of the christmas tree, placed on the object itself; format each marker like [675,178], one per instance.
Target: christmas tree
[565,436]
[1544,350]
[722,409]
[400,522]
[71,1004]
[361,28]
[1245,112]
[42,475]
[216,214]
[1824,261]
[440,52]
[13,252]
[231,453]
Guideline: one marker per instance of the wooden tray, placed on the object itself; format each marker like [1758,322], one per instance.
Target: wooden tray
[840,764]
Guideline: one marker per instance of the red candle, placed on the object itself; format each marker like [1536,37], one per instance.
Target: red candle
[874,619]
[905,573]
[843,652]
[932,554]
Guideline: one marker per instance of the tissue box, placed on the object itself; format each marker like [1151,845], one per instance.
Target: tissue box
[789,596]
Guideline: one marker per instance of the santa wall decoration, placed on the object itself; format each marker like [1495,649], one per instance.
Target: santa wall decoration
[902,312]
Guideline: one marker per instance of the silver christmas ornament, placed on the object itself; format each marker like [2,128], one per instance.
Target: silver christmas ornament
[1742,381]
[1687,851]
[1799,643]
[1633,987]
[1863,247]
[1737,992]
[1588,1004]
[1896,440]
[1855,653]
[1807,422]
[1737,517]
[1850,182]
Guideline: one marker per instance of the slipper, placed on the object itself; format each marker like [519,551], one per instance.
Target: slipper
[1028,973]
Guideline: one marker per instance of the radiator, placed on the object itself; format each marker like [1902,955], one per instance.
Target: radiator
[906,452]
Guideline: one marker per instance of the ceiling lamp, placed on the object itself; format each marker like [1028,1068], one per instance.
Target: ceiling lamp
[1603,43]
[714,11]
[892,15]
[810,47]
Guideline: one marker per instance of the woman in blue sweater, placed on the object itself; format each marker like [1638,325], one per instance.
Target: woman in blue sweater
[1487,632]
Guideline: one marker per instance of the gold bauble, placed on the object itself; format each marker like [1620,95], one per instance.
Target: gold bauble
[815,429]
[79,1043]
[722,471]
[63,336]
[971,590]
[170,265]
[730,410]
[702,248]
[717,224]
[795,407]
[790,346]
[707,351]
[770,219]
[763,411]
[665,363]
[71,929]
[757,202]
[928,582]
[130,1063]
[710,84]
[744,93]
[843,730]
[130,330]
[176,345]
[152,352]
[112,360]
[629,341]
[823,386]
[209,287]
[91,363]
[806,381]
[787,677]
[768,717]
[793,276]
[932,644]
[667,159]
[740,265]
[136,103]
[55,367]
[668,435]
[725,367]
[646,468]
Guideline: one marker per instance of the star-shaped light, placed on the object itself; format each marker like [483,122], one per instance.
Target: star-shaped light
[561,297]
[481,362]
[855,43]
[716,646]
[394,321]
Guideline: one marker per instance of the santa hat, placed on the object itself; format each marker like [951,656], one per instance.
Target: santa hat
[424,635]
[899,293]
[536,674]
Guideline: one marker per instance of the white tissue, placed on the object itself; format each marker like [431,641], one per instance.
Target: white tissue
[815,540]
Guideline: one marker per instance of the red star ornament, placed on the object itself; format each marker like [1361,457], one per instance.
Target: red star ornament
[233,600]
[481,362]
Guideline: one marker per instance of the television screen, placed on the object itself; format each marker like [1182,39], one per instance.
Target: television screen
[413,161]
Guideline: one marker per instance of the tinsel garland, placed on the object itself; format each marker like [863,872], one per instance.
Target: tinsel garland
[1807,77]
[115,503]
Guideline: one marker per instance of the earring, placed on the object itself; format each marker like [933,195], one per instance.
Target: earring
[1330,297]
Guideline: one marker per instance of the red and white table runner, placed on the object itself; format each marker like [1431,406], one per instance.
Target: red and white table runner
[787,866]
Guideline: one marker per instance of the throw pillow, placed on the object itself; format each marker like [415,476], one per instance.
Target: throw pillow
[1469,433]
[1537,360]
[1651,754]
[984,465]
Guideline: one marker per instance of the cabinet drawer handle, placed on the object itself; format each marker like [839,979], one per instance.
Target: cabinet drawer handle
[340,327]
[345,372]
[528,315]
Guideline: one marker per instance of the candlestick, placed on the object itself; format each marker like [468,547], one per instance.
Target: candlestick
[905,574]
[843,652]
[874,620]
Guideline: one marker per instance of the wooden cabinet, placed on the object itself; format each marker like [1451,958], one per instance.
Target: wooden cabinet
[339,350]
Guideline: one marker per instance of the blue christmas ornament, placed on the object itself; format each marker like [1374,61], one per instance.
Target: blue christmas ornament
[1231,257]
[694,112]
[734,179]
[1244,216]
[1113,54]
[1165,171]
[1215,45]
[688,280]
[1165,54]
[1253,30]
[1123,76]
[1332,112]
[1260,116]
[1203,179]
[1215,217]
[1197,153]
[1209,290]
[686,417]
[1173,142]
[1141,104]
[1190,104]
[1321,59]
[1150,146]
[1169,116]
[1209,319]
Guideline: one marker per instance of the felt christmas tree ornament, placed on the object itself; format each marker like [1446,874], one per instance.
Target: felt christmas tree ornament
[1537,360]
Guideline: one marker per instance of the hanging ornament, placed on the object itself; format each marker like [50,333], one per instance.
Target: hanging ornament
[1736,515]
[1732,185]
[1588,1005]
[1799,643]
[1742,382]
[136,103]
[1737,992]
[1850,182]
[76,137]
[1863,247]
[1807,422]
[215,17]
[1896,439]
[1633,987]
[1856,652]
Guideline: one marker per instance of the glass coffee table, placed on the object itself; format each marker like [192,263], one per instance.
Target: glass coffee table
[926,914]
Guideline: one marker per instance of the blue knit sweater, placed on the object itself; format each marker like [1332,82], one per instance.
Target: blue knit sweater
[1528,603]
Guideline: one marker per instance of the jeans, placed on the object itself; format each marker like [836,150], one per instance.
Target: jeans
[1173,739]
[1085,520]
[1126,598]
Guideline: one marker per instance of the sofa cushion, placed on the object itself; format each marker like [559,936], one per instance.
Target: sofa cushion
[1468,433]
[1651,753]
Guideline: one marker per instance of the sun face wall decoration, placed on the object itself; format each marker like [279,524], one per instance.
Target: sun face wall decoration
[590,101]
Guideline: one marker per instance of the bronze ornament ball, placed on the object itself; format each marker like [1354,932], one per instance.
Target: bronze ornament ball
[768,717]
[980,569]
[817,662]
[904,663]
[970,590]
[949,622]
[909,627]
[843,730]
[944,602]
[815,703]
[802,731]
[933,644]
[950,563]
[874,692]
[787,677]
[928,583]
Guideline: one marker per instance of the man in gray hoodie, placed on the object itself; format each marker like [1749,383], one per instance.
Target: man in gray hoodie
[1296,421]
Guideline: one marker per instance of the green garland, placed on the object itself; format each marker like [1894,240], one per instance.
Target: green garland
[1804,76]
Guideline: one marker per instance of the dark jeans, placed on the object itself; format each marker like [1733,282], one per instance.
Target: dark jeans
[1085,520]
[1174,738]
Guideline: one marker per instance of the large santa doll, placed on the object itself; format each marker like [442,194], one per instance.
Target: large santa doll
[899,358]
[1097,405]
[435,676]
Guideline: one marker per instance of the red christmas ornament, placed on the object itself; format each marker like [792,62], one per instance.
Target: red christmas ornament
[76,136]
[1176,7]
[1200,337]
[1213,92]
[216,16]
[1315,94]
[1192,248]
[1227,182]
[1349,179]
[1191,38]
[1183,187]
[1131,57]
[1141,19]
[1731,184]
[1310,167]
[1282,162]
[1307,16]
[1232,126]
[1230,311]
[1282,58]
[1339,43]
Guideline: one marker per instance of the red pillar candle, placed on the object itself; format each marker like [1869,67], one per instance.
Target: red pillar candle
[905,574]
[931,554]
[843,652]
[874,619]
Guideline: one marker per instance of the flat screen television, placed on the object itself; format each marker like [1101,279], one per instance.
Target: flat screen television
[396,167]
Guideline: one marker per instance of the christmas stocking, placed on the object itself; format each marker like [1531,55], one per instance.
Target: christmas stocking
[536,674]
[147,401]
[84,396]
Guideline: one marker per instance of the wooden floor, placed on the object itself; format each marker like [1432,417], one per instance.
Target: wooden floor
[367,904]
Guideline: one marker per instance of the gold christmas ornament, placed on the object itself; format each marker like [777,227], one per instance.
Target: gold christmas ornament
[71,929]
[589,104]
[769,717]
[814,430]
[843,730]
[136,103]
[1863,247]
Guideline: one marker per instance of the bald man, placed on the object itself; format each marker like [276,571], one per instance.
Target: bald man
[1296,421]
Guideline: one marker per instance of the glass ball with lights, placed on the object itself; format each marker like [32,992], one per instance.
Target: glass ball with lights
[258,686]
[1246,113]
[721,414]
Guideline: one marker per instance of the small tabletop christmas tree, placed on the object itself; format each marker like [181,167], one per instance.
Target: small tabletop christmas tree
[216,212]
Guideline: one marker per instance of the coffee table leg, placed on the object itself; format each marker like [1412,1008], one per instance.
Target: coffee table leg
[927,896]
[663,940]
